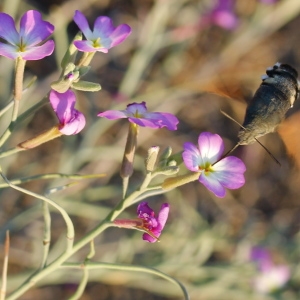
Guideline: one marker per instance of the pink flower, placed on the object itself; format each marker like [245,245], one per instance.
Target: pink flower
[153,225]
[104,35]
[137,113]
[71,120]
[271,277]
[27,43]
[214,174]
[147,222]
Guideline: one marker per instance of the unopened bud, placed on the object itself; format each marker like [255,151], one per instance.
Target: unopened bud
[128,223]
[41,138]
[171,183]
[129,153]
[167,171]
[151,159]
[166,154]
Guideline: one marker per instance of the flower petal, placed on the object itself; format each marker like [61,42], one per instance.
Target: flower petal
[109,35]
[113,114]
[143,208]
[191,157]
[229,172]
[75,125]
[83,25]
[38,52]
[211,182]
[211,147]
[163,119]
[103,27]
[87,46]
[135,109]
[8,29]
[33,29]
[120,34]
[163,215]
[8,50]
[63,104]
[143,122]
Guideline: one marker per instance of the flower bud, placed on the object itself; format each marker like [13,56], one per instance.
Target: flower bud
[167,171]
[129,153]
[41,138]
[151,159]
[171,183]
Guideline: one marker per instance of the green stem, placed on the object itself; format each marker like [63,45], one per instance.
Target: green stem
[82,285]
[86,59]
[67,219]
[6,107]
[18,88]
[130,268]
[85,275]
[5,267]
[11,152]
[106,223]
[50,176]
[19,70]
[47,234]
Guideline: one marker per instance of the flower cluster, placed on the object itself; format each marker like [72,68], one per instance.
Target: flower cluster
[31,43]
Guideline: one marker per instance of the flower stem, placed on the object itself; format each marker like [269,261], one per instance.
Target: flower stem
[18,88]
[130,268]
[86,59]
[5,267]
[128,157]
[47,233]
[104,224]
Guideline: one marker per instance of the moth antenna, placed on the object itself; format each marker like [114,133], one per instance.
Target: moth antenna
[268,151]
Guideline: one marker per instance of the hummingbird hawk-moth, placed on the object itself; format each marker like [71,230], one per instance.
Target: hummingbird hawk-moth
[276,94]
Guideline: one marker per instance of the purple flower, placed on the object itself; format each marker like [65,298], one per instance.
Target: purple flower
[222,15]
[215,174]
[152,224]
[270,277]
[71,120]
[103,37]
[27,43]
[137,113]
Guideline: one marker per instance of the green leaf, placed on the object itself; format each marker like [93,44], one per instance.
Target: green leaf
[86,86]
[61,86]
